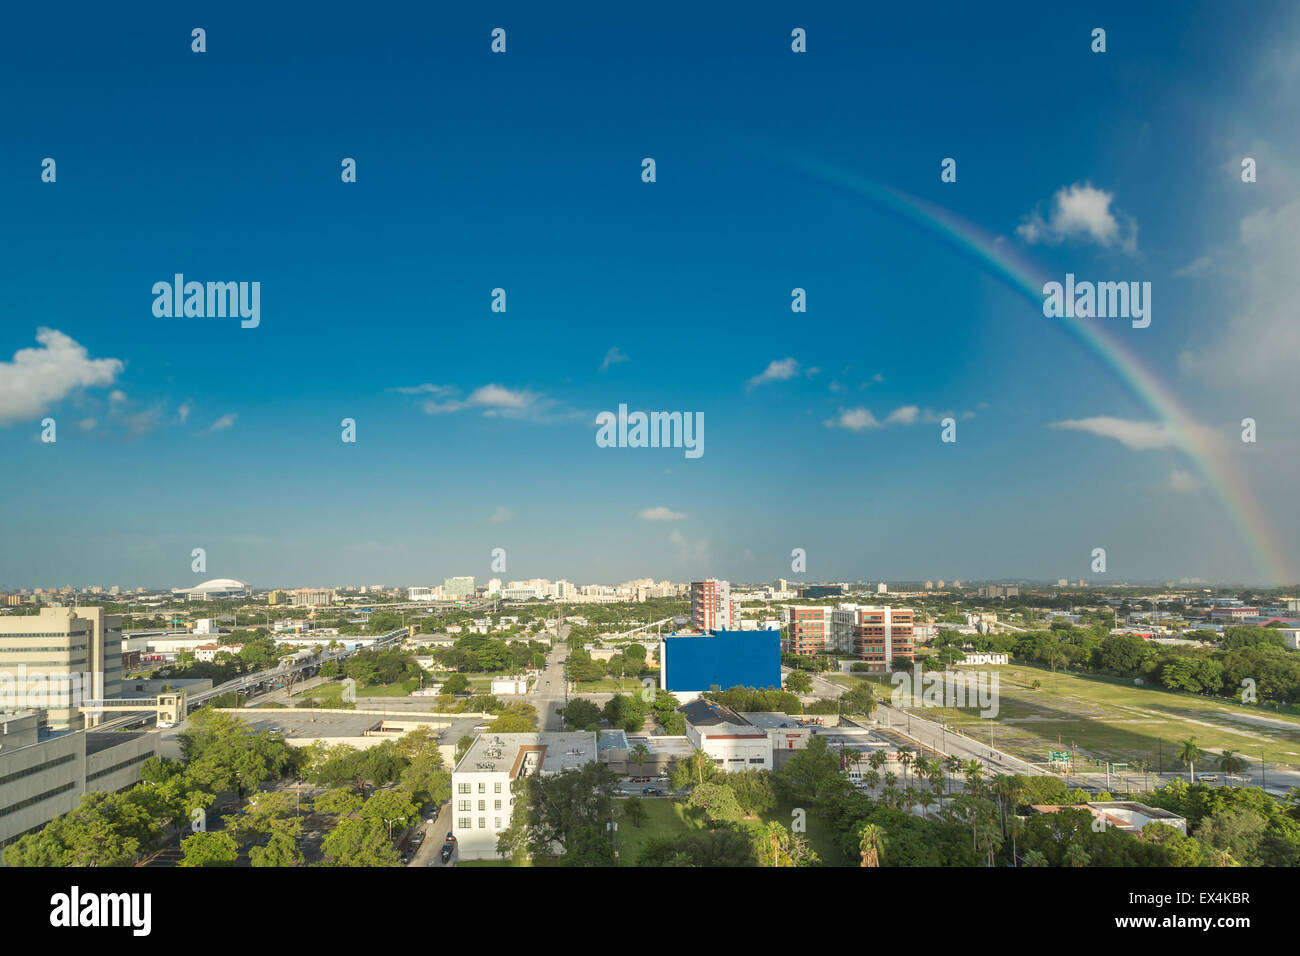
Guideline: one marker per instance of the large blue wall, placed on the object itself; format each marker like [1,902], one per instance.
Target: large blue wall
[697,662]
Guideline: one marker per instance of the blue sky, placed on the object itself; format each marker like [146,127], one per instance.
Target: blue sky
[522,171]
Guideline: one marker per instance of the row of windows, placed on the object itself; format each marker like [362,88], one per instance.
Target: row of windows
[465,805]
[39,768]
[466,823]
[32,801]
[54,648]
[139,758]
[47,634]
[482,787]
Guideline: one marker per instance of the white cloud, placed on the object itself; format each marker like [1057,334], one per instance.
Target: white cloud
[695,553]
[660,513]
[1200,266]
[1083,212]
[612,357]
[492,400]
[425,389]
[1255,349]
[39,377]
[860,419]
[224,422]
[501,515]
[1182,481]
[183,413]
[1140,436]
[778,370]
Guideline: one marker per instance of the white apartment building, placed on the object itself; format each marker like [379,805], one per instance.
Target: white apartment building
[482,800]
[420,594]
[458,588]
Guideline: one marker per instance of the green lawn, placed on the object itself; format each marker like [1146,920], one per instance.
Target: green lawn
[1110,718]
[664,817]
[609,685]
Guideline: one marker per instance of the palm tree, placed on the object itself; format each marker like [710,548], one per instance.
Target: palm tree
[639,754]
[1189,753]
[877,759]
[698,761]
[909,797]
[953,764]
[871,841]
[925,798]
[972,770]
[905,757]
[1230,764]
[872,780]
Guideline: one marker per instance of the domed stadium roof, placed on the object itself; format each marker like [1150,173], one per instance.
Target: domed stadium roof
[220,584]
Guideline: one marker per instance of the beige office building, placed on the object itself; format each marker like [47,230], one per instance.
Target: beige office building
[58,660]
[44,774]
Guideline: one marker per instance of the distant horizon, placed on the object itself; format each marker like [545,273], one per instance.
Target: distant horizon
[901,584]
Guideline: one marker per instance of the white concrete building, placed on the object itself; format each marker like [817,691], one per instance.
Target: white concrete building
[481,796]
[731,740]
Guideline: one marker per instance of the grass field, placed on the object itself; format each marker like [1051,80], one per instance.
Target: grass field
[664,817]
[609,685]
[1111,718]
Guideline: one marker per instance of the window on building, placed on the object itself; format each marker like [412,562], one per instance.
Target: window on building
[464,823]
[462,805]
[463,788]
[482,823]
[482,804]
[482,788]
[496,787]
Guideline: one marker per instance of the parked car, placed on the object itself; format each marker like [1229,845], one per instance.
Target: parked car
[447,850]
[451,837]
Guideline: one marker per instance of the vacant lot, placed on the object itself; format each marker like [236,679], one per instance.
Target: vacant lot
[1111,718]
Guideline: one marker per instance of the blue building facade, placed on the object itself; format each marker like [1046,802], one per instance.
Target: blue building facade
[720,659]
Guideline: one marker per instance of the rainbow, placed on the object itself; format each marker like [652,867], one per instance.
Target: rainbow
[994,255]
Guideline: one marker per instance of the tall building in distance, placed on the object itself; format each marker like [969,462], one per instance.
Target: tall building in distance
[455,589]
[712,608]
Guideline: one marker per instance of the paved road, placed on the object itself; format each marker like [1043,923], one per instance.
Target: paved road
[549,691]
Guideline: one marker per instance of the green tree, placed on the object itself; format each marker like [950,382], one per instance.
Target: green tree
[209,849]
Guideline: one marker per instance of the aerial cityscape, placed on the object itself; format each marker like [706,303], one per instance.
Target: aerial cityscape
[655,438]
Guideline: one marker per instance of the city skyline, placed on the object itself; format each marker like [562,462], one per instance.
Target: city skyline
[477,429]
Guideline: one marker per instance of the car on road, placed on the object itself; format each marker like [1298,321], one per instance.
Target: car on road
[451,837]
[652,792]
[1212,777]
[447,850]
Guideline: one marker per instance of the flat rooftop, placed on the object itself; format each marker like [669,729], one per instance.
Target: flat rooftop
[110,738]
[549,752]
[772,720]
